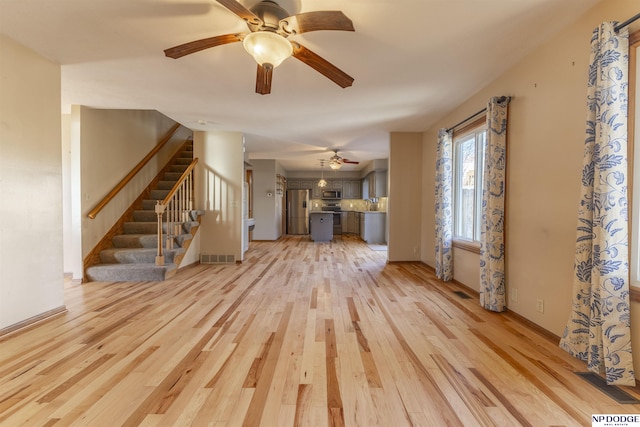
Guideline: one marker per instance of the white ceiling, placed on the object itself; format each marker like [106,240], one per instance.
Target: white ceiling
[412,60]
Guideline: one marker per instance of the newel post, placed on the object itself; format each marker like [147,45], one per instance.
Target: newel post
[159,211]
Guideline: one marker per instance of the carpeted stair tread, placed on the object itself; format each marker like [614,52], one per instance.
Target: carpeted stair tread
[182,238]
[145,227]
[172,176]
[189,225]
[145,240]
[159,194]
[130,272]
[151,227]
[137,255]
[147,215]
[135,241]
[165,185]
[149,204]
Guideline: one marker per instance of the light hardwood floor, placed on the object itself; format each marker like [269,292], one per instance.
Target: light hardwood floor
[300,334]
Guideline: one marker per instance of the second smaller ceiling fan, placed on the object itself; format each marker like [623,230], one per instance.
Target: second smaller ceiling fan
[336,161]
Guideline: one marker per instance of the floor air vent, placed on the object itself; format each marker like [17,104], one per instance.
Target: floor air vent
[217,259]
[612,391]
[462,294]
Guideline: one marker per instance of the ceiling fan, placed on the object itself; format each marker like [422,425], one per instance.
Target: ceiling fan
[270,26]
[336,162]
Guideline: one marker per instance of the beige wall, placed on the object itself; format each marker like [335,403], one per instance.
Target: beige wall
[112,142]
[267,210]
[220,175]
[30,185]
[405,187]
[545,138]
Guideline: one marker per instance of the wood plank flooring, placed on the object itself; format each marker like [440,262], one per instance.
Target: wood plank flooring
[300,334]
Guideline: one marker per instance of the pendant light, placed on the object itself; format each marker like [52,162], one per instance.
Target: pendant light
[322,183]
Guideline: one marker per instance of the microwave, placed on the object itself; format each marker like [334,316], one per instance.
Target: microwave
[331,194]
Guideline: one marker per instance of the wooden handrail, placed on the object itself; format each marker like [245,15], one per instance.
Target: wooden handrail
[179,182]
[133,172]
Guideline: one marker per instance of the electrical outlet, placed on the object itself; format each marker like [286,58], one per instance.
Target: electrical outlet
[514,295]
[540,305]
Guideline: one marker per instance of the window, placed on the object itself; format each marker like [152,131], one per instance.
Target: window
[468,166]
[634,163]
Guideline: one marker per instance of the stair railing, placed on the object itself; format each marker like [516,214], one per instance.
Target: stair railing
[175,209]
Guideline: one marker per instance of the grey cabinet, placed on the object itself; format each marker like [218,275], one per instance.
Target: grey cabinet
[353,222]
[372,227]
[344,222]
[351,189]
[380,184]
[374,185]
[317,191]
[293,184]
[306,184]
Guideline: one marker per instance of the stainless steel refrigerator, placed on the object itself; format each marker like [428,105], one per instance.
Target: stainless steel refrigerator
[297,211]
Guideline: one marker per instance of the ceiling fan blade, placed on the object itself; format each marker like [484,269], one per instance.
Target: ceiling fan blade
[322,66]
[241,11]
[198,45]
[263,79]
[350,161]
[316,21]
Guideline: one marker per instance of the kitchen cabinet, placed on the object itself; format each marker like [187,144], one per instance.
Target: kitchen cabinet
[293,184]
[299,184]
[351,189]
[344,221]
[353,222]
[306,184]
[317,191]
[381,184]
[375,185]
[372,226]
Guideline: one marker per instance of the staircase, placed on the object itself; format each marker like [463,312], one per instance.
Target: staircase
[133,255]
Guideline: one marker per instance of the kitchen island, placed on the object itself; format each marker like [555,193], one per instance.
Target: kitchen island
[321,226]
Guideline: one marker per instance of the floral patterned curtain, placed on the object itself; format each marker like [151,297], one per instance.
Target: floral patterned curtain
[444,207]
[598,330]
[492,280]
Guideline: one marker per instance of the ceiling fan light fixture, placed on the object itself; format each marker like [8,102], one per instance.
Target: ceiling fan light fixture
[335,164]
[267,47]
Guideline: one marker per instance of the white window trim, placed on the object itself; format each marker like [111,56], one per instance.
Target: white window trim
[634,165]
[472,245]
[634,271]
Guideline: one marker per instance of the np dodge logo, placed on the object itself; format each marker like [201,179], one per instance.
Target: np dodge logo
[615,420]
